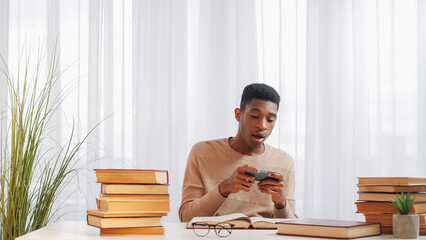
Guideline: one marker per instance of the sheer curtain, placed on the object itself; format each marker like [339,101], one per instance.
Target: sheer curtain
[4,42]
[162,75]
[365,98]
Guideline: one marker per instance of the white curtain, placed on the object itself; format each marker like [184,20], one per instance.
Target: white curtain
[364,98]
[162,75]
[4,43]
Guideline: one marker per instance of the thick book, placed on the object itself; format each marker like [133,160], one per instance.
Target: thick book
[328,228]
[132,176]
[133,231]
[109,188]
[137,197]
[123,222]
[386,207]
[134,196]
[105,214]
[389,230]
[391,181]
[239,220]
[134,205]
[392,188]
[388,197]
[385,219]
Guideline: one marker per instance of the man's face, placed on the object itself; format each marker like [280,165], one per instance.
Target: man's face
[257,121]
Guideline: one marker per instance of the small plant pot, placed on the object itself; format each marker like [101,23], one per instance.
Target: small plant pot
[405,226]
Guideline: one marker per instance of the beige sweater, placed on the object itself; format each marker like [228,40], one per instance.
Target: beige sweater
[210,162]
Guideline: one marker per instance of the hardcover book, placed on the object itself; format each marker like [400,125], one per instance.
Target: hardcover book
[385,219]
[132,176]
[135,196]
[391,181]
[110,188]
[392,189]
[123,222]
[385,207]
[388,197]
[328,228]
[105,214]
[134,205]
[389,230]
[133,231]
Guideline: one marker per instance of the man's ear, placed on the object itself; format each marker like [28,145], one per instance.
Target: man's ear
[238,113]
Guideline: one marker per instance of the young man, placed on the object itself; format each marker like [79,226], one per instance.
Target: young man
[215,180]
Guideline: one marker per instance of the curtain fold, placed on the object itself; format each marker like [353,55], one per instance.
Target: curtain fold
[331,115]
[421,84]
[4,50]
[4,53]
[160,90]
[4,30]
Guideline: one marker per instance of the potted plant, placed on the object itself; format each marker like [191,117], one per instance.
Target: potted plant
[33,169]
[405,225]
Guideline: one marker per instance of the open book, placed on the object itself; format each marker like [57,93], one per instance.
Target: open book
[240,221]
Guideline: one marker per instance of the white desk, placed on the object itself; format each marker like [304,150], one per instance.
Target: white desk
[176,231]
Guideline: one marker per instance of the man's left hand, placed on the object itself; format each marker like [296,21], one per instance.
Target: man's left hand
[274,188]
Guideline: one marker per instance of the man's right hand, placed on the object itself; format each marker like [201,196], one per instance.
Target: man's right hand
[238,181]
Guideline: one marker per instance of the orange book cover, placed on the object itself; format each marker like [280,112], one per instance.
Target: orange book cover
[111,188]
[144,176]
[105,214]
[385,207]
[391,181]
[134,205]
[392,188]
[133,231]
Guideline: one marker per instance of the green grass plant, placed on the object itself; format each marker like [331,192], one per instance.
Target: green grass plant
[32,174]
[403,202]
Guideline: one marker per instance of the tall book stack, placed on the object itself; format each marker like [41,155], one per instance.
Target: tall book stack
[131,202]
[377,193]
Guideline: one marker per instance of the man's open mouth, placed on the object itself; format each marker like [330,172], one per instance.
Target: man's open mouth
[258,136]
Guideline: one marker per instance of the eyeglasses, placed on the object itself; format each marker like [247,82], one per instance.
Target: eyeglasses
[222,230]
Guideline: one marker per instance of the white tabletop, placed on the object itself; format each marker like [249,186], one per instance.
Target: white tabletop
[80,230]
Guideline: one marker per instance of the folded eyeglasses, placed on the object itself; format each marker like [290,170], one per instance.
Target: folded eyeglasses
[221,229]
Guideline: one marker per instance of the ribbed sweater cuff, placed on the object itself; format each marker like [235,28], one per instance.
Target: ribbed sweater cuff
[284,213]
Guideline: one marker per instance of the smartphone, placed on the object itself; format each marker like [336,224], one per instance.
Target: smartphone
[262,175]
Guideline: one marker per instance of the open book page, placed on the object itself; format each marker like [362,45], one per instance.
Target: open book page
[268,223]
[238,219]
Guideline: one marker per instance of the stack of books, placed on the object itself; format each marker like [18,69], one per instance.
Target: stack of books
[131,202]
[377,193]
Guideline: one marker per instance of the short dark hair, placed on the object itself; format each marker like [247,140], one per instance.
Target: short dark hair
[259,91]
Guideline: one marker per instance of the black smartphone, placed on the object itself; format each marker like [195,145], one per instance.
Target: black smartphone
[262,175]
